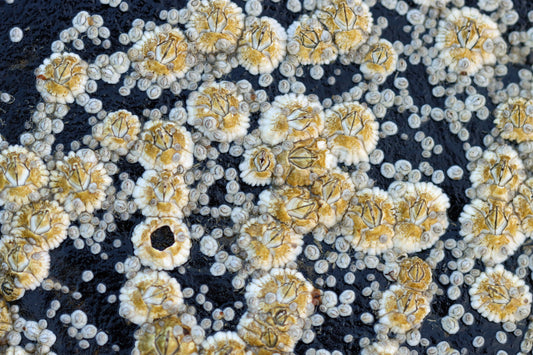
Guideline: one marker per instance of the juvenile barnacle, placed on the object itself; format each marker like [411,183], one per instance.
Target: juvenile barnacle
[150,295]
[368,223]
[162,52]
[402,309]
[270,244]
[21,174]
[381,58]
[258,166]
[492,228]
[498,173]
[336,189]
[291,117]
[513,120]
[465,40]
[215,25]
[44,223]
[165,146]
[421,218]
[312,43]
[500,296]
[262,46]
[349,21]
[118,131]
[79,181]
[414,274]
[222,343]
[217,111]
[62,77]
[161,194]
[161,243]
[352,132]
[167,335]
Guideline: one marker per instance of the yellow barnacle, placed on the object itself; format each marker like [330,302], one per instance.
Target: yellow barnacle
[6,323]
[165,336]
[513,120]
[402,309]
[369,221]
[215,25]
[336,189]
[349,21]
[217,111]
[463,40]
[161,53]
[269,243]
[161,243]
[62,77]
[498,174]
[420,215]
[79,182]
[500,296]
[161,194]
[381,59]
[291,117]
[492,229]
[414,274]
[310,42]
[21,173]
[224,343]
[28,264]
[258,166]
[10,289]
[150,295]
[118,131]
[44,223]
[352,132]
[523,206]
[165,146]
[262,45]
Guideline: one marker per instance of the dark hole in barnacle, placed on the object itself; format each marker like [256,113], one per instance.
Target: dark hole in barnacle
[162,238]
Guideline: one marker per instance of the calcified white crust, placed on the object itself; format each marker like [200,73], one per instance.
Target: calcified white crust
[500,296]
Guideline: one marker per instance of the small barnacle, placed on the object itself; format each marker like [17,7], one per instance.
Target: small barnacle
[118,131]
[166,145]
[420,215]
[79,181]
[27,264]
[369,221]
[43,223]
[62,77]
[258,166]
[512,119]
[462,39]
[21,174]
[336,189]
[291,117]
[387,347]
[381,59]
[498,173]
[402,309]
[414,274]
[167,335]
[216,110]
[224,343]
[271,244]
[352,132]
[161,53]
[215,25]
[150,295]
[307,157]
[161,243]
[161,194]
[262,45]
[500,296]
[349,21]
[492,228]
[313,43]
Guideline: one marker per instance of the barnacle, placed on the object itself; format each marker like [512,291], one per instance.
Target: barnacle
[258,166]
[523,206]
[161,243]
[224,343]
[165,336]
[500,296]
[414,274]
[312,43]
[21,174]
[387,347]
[381,59]
[6,323]
[79,181]
[352,132]
[336,189]
[513,120]
[62,77]
[118,131]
